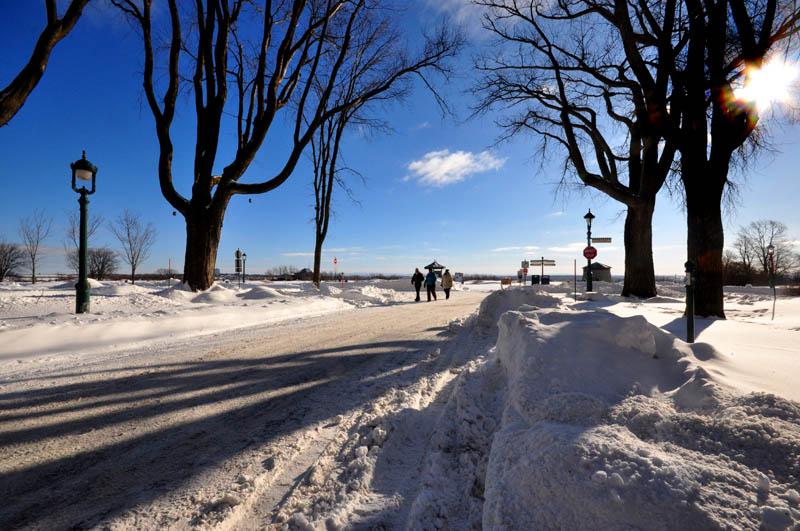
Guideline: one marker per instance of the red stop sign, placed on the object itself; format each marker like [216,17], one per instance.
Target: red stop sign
[334,260]
[589,252]
[525,271]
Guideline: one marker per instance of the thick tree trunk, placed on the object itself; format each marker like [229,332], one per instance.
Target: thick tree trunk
[317,260]
[705,241]
[133,275]
[203,229]
[640,280]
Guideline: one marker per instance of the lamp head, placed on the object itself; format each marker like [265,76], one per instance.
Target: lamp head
[589,217]
[771,249]
[83,170]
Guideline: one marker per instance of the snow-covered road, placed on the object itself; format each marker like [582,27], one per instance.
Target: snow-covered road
[236,431]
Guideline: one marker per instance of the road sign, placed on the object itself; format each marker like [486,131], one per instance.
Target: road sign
[601,240]
[524,264]
[335,261]
[589,252]
[543,262]
[525,271]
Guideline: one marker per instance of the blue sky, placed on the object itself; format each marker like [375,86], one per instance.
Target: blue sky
[435,189]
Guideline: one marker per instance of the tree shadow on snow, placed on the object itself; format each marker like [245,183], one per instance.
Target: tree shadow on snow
[109,479]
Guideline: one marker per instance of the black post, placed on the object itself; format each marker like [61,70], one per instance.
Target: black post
[690,278]
[589,260]
[82,287]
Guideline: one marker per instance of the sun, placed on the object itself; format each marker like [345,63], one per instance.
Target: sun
[772,83]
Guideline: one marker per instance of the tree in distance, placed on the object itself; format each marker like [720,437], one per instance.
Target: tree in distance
[752,243]
[11,259]
[13,96]
[101,262]
[136,239]
[248,61]
[33,230]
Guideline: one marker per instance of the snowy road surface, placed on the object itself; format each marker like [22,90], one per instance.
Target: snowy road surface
[231,432]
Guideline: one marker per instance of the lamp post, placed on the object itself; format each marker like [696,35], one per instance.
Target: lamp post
[237,265]
[244,268]
[771,252]
[83,170]
[589,217]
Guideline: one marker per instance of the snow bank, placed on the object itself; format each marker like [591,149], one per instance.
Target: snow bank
[500,302]
[613,421]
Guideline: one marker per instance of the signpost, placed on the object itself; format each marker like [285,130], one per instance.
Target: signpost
[601,240]
[543,262]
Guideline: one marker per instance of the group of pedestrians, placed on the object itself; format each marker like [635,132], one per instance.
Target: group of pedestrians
[430,283]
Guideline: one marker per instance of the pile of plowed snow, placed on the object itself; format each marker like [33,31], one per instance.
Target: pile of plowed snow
[607,423]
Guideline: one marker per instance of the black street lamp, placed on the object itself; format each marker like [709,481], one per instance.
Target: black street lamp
[589,217]
[244,268]
[85,171]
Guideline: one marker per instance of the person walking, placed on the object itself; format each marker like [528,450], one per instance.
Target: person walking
[447,283]
[430,283]
[416,280]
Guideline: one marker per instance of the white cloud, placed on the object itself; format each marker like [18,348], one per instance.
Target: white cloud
[569,248]
[556,214]
[440,168]
[297,254]
[523,248]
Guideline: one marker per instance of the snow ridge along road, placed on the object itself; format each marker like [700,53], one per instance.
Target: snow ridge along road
[239,431]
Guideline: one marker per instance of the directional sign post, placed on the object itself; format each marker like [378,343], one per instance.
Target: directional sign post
[543,262]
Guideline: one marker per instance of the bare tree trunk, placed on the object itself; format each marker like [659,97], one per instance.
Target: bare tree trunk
[203,230]
[317,259]
[640,280]
[705,241]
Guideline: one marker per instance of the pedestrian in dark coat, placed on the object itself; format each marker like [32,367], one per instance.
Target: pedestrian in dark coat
[430,283]
[447,283]
[416,280]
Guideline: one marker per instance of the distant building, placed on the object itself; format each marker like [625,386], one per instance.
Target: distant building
[436,267]
[304,274]
[600,272]
[216,272]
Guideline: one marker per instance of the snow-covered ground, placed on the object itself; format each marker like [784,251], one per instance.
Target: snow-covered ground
[539,412]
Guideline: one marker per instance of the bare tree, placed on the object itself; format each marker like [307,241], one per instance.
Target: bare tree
[662,73]
[573,74]
[725,40]
[752,244]
[271,54]
[11,258]
[72,236]
[101,262]
[33,230]
[136,239]
[13,96]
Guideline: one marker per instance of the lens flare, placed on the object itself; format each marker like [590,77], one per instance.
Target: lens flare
[772,83]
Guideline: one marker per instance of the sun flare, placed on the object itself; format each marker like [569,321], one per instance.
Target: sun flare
[772,83]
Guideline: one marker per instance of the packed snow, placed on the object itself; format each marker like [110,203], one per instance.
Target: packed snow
[541,410]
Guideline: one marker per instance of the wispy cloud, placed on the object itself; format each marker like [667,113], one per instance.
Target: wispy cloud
[515,248]
[297,254]
[555,214]
[440,168]
[419,127]
[569,248]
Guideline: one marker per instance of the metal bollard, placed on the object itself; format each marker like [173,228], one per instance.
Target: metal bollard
[690,279]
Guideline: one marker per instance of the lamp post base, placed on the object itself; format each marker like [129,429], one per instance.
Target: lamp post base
[81,298]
